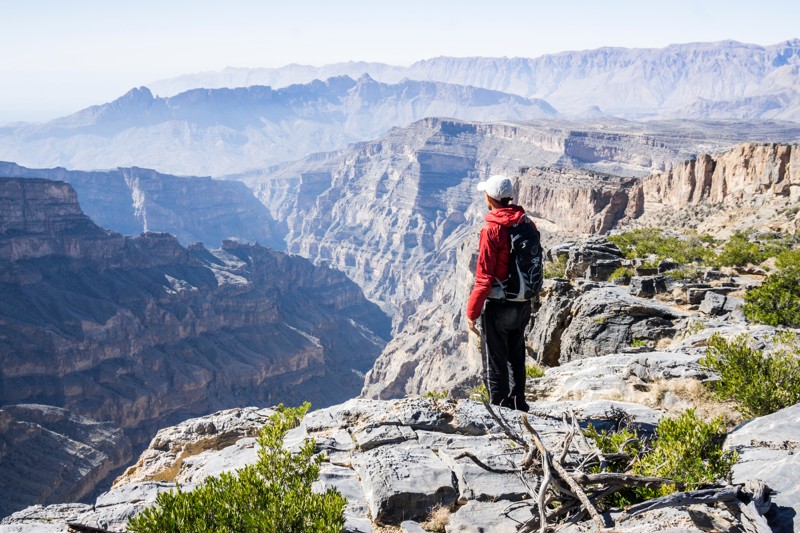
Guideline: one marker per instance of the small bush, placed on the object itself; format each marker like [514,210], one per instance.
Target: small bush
[687,450]
[758,382]
[272,496]
[638,343]
[777,301]
[687,272]
[437,395]
[557,268]
[479,394]
[739,250]
[534,371]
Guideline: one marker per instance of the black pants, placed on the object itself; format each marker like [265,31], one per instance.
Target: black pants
[504,351]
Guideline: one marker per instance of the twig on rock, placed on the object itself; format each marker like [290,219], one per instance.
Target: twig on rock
[483,465]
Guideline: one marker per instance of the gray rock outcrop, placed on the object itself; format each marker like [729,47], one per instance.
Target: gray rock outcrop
[601,320]
[395,461]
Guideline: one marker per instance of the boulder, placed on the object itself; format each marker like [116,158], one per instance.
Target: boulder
[602,270]
[589,252]
[716,304]
[603,320]
[404,481]
[647,286]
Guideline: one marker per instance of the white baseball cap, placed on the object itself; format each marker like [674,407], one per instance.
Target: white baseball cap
[497,187]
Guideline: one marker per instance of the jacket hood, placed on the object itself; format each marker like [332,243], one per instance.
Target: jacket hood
[505,216]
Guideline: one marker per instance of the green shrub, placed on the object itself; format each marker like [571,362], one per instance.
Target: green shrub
[760,383]
[777,301]
[739,250]
[479,394]
[272,496]
[638,343]
[612,442]
[437,395]
[687,450]
[688,272]
[684,449]
[621,272]
[557,268]
[534,371]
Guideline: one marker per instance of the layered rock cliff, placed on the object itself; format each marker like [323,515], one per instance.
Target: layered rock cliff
[133,200]
[142,332]
[754,185]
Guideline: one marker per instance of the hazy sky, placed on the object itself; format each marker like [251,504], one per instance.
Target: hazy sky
[58,56]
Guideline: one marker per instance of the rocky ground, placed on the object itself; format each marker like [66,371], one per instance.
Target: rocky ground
[397,461]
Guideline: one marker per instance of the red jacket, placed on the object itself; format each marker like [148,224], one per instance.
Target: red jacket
[494,255]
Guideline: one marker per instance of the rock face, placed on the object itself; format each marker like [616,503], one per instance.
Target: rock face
[134,200]
[143,332]
[572,201]
[49,455]
[752,185]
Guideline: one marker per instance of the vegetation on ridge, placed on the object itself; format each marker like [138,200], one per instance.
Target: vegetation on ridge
[777,301]
[271,496]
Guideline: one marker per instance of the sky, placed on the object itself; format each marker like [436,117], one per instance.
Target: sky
[57,57]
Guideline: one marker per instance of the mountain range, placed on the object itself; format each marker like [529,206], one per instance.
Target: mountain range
[219,131]
[629,83]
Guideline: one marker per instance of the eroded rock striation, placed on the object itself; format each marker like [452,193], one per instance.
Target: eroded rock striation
[50,455]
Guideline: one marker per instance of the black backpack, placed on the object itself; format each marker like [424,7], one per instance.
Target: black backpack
[525,270]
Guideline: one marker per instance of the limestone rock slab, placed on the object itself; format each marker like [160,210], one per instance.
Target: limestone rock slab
[403,482]
[769,449]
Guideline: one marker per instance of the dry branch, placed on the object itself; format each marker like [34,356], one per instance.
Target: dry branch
[598,519]
[706,496]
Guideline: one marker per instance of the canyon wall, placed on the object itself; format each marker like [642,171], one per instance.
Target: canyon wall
[400,216]
[133,200]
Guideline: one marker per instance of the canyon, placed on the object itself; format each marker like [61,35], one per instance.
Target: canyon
[142,332]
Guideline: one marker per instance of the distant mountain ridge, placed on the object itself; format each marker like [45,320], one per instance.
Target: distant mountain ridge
[630,83]
[220,131]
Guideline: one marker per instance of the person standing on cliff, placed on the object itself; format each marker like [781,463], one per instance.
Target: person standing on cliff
[503,322]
